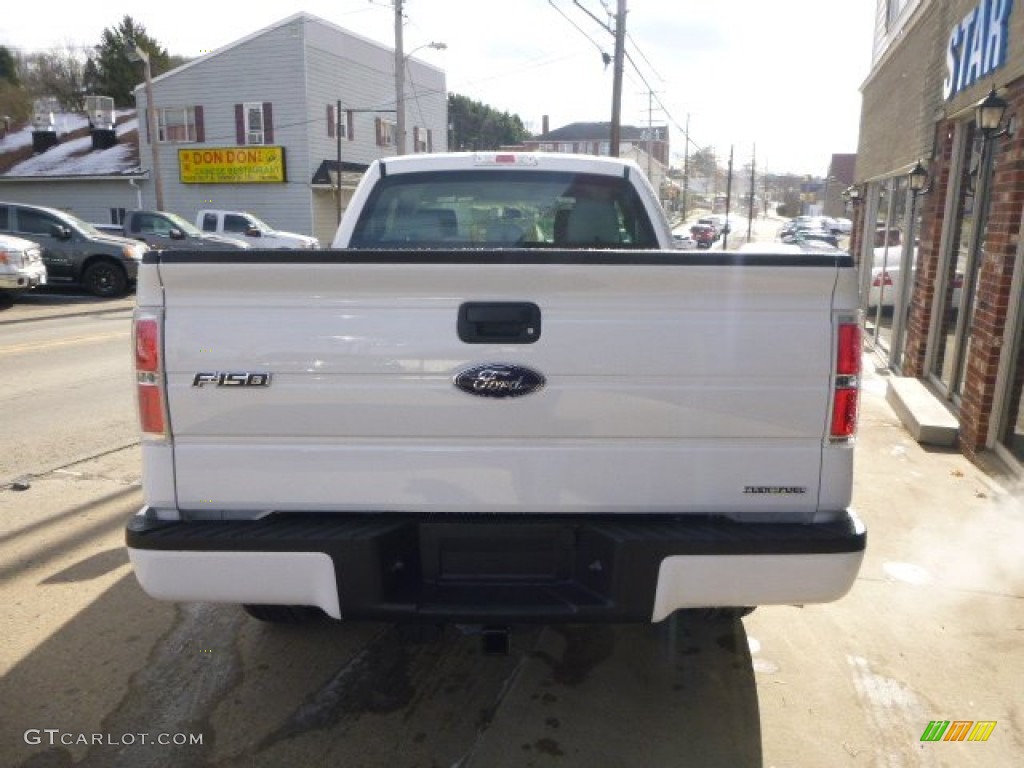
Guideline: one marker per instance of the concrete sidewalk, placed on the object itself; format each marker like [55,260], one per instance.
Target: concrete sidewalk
[57,301]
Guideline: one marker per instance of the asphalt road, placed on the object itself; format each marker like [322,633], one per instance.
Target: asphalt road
[93,669]
[65,380]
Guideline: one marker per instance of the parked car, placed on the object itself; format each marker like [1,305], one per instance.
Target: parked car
[703,234]
[724,224]
[75,251]
[21,266]
[711,222]
[247,228]
[812,235]
[885,278]
[168,232]
[845,226]
[683,242]
[826,223]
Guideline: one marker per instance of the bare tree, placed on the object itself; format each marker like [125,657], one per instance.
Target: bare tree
[59,73]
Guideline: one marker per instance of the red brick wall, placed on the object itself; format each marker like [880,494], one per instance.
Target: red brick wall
[932,207]
[996,271]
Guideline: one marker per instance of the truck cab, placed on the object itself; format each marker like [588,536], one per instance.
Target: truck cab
[168,231]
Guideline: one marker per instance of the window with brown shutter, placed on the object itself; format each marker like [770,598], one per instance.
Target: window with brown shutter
[385,132]
[254,123]
[268,123]
[200,125]
[330,121]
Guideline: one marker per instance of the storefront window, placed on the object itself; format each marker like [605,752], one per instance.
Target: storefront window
[1012,432]
[960,270]
[887,254]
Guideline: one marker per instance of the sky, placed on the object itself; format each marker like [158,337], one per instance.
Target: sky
[780,79]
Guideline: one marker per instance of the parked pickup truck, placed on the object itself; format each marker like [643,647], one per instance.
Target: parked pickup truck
[251,230]
[21,266]
[168,231]
[502,396]
[73,250]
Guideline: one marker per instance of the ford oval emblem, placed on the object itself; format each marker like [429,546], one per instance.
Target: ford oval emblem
[499,380]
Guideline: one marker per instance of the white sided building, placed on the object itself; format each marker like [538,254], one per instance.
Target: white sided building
[256,126]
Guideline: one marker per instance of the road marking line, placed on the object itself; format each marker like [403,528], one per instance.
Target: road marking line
[35,346]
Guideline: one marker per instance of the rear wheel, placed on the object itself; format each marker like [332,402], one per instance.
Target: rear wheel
[284,614]
[105,279]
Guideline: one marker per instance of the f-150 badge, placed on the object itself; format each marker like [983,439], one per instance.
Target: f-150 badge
[499,380]
[231,379]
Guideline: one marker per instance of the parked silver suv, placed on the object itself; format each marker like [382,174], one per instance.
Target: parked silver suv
[74,251]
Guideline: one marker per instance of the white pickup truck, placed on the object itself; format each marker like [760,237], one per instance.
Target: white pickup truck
[248,229]
[501,396]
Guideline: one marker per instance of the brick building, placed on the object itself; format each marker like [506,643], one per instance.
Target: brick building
[958,324]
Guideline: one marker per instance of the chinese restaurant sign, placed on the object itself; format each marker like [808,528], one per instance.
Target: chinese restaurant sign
[232,165]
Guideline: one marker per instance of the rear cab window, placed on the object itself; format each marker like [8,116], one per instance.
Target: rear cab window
[504,209]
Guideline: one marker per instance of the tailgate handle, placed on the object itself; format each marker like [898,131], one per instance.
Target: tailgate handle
[504,322]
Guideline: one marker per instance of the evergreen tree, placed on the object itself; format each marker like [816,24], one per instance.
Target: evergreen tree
[112,73]
[8,67]
[475,126]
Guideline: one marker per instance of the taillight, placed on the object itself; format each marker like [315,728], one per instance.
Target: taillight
[149,381]
[883,279]
[846,391]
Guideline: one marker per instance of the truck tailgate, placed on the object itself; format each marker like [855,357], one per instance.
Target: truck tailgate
[673,384]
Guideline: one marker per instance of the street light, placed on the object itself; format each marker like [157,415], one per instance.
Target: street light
[919,180]
[400,61]
[136,54]
[989,114]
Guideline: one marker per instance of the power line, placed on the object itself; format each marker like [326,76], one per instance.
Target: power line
[604,54]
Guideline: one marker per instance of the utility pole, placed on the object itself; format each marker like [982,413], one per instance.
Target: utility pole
[750,205]
[686,164]
[728,200]
[337,134]
[650,133]
[399,81]
[620,54]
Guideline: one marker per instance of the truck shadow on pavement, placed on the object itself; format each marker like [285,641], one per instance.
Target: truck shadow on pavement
[127,671]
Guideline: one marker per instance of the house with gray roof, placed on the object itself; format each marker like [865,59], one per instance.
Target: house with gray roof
[648,146]
[94,184]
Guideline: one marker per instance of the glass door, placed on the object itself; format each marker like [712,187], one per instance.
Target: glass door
[1008,410]
[1011,426]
